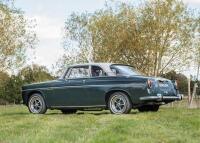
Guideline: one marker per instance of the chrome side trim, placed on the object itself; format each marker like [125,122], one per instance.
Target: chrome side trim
[160,98]
[170,97]
[78,106]
[75,86]
[150,98]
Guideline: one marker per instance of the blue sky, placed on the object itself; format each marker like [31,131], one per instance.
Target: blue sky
[50,15]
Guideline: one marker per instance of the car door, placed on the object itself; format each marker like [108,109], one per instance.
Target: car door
[96,87]
[73,91]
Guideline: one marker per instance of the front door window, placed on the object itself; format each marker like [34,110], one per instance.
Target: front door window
[79,72]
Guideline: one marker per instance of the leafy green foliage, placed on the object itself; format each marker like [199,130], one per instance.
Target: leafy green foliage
[35,73]
[4,78]
[10,87]
[13,89]
[181,80]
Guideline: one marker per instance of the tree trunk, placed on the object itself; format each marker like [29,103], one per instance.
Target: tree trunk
[155,66]
[189,92]
[196,85]
[198,71]
[193,94]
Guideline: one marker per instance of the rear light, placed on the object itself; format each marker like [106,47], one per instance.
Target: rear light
[149,83]
[176,84]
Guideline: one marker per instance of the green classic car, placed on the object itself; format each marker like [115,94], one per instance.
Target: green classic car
[95,86]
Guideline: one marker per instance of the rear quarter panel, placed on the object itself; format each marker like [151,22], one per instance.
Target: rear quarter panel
[135,87]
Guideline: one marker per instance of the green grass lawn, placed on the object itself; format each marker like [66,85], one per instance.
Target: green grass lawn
[167,125]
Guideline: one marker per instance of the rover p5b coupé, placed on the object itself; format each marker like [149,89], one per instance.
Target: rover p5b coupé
[116,87]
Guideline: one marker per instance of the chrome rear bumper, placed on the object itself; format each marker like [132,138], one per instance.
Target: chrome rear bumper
[161,98]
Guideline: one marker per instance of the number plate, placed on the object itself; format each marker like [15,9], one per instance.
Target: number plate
[163,85]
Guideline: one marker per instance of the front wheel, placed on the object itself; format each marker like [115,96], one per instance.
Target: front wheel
[146,108]
[36,104]
[119,103]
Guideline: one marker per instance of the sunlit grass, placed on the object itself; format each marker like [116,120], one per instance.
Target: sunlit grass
[167,125]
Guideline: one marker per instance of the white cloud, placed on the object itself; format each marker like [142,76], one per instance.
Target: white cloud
[48,56]
[47,27]
[49,33]
[192,2]
[47,53]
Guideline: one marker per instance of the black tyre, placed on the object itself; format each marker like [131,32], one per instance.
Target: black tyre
[147,108]
[36,104]
[154,108]
[119,103]
[68,111]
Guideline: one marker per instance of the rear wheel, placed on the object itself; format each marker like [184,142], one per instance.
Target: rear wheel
[68,111]
[119,103]
[146,108]
[36,104]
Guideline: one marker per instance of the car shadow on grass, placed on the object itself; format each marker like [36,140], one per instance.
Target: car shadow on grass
[78,113]
[53,113]
[92,113]
[100,113]
[96,113]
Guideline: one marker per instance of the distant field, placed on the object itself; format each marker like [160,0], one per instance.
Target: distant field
[177,124]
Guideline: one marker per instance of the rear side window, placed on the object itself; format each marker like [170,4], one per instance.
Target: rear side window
[97,71]
[79,72]
[123,70]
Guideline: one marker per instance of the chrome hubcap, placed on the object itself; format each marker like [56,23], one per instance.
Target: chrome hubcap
[117,104]
[35,104]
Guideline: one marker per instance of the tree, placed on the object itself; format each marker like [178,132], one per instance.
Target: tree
[4,78]
[196,62]
[35,73]
[154,37]
[169,29]
[16,36]
[10,90]
[180,78]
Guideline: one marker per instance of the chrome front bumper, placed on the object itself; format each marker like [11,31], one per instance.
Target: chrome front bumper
[161,98]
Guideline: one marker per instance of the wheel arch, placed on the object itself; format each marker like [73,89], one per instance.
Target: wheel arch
[28,95]
[110,92]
